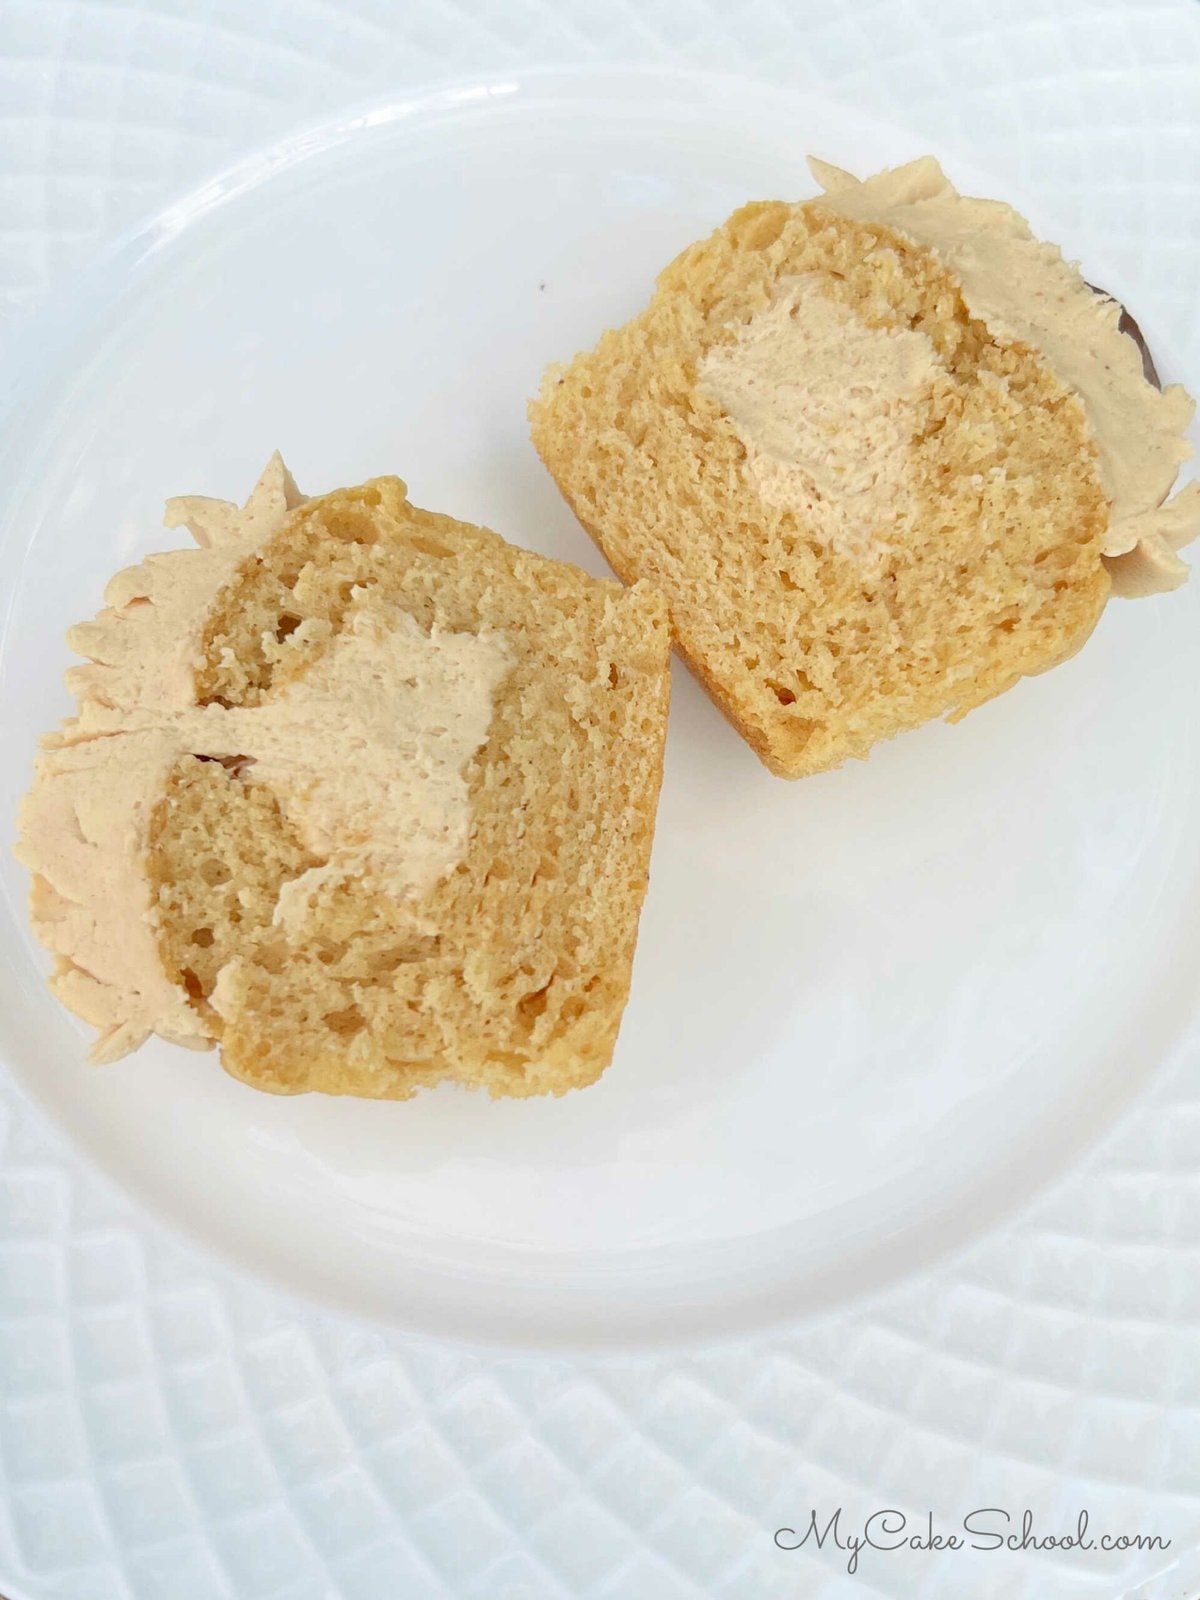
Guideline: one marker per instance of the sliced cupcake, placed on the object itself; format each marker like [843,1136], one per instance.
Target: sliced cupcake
[884,452]
[362,794]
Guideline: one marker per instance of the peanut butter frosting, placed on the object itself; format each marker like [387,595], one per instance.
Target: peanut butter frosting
[1024,290]
[366,752]
[827,407]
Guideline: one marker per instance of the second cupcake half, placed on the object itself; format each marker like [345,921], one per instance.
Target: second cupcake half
[885,453]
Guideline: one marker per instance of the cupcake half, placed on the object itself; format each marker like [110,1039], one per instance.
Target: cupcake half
[884,452]
[361,794]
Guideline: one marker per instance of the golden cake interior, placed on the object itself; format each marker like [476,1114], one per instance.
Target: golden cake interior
[989,567]
[510,972]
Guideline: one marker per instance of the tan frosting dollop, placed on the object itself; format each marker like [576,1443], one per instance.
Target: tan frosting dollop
[827,406]
[83,834]
[1023,290]
[366,752]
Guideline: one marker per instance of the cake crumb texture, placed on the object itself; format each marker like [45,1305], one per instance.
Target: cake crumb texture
[488,943]
[842,560]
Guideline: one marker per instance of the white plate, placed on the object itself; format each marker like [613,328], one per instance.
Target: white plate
[870,1011]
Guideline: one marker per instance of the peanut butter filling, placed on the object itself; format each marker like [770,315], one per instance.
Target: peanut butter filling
[827,407]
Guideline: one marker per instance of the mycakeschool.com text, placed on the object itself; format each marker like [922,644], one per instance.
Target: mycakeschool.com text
[986,1529]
